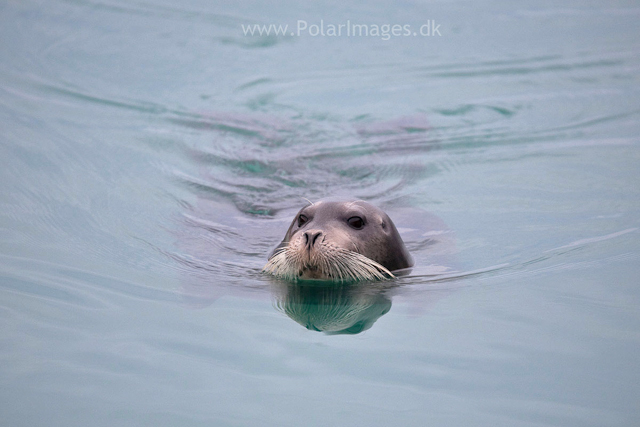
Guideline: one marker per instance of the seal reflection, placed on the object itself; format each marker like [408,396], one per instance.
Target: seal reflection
[347,308]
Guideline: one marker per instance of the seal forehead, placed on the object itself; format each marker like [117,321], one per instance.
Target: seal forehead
[355,206]
[335,212]
[364,209]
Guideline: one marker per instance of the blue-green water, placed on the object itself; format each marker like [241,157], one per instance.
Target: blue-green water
[151,156]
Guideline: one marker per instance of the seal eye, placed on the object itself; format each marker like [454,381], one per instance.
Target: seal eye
[356,222]
[302,220]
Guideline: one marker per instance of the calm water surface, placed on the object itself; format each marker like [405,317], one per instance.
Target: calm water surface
[151,156]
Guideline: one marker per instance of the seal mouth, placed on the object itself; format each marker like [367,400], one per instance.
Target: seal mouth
[336,264]
[308,268]
[310,271]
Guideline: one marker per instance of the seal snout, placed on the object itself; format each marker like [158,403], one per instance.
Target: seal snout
[312,237]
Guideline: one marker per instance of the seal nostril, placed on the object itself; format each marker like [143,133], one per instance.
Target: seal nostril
[311,237]
[313,242]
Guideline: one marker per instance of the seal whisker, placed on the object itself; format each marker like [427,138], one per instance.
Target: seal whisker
[342,263]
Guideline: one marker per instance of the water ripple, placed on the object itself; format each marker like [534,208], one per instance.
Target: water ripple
[364,159]
[54,282]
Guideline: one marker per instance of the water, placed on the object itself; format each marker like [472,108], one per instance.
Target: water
[152,156]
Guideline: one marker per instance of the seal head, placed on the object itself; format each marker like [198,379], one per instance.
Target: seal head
[339,241]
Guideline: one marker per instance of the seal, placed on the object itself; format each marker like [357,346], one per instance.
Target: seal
[339,241]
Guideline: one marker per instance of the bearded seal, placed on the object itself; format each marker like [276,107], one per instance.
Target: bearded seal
[339,241]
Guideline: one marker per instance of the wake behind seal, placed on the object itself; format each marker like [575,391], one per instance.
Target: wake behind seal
[339,241]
